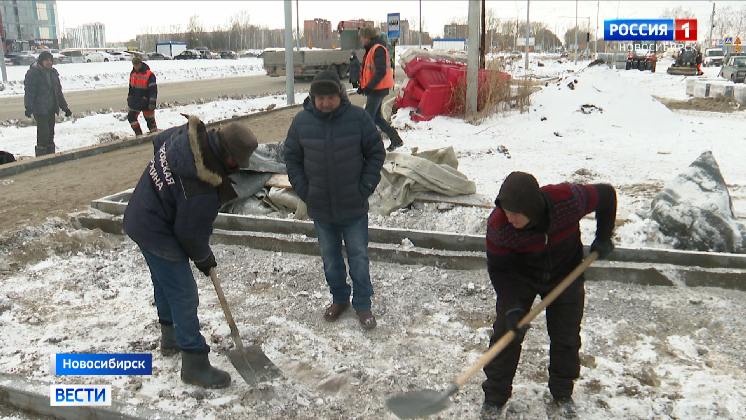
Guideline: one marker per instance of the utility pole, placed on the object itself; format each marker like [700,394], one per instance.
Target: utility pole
[472,67]
[576,31]
[482,49]
[420,24]
[528,2]
[289,70]
[712,26]
[297,26]
[595,38]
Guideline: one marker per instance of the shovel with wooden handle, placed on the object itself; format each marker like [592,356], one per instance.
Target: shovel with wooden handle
[251,362]
[426,402]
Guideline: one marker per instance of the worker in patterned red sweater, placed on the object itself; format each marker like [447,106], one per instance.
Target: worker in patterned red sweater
[142,96]
[533,243]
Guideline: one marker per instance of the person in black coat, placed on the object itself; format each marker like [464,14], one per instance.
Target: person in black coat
[43,99]
[354,70]
[170,217]
[334,155]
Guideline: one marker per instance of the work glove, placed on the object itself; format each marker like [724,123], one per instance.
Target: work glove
[205,265]
[29,113]
[68,112]
[512,318]
[603,246]
[359,91]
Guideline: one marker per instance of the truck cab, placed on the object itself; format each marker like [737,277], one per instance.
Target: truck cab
[713,57]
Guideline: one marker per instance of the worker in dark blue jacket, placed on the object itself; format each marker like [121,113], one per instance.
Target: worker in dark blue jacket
[170,216]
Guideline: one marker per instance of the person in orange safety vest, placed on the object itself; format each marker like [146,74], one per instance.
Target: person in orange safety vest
[376,78]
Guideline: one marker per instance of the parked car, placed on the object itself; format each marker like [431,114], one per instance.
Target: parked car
[23,58]
[98,57]
[188,55]
[208,55]
[156,56]
[59,58]
[228,55]
[75,56]
[734,69]
[121,55]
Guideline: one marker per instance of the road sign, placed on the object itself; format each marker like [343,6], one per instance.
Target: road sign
[720,42]
[737,48]
[729,40]
[737,41]
[393,26]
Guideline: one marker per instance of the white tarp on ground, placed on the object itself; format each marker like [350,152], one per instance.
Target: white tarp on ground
[404,177]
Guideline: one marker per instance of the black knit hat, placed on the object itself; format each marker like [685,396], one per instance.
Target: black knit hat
[520,193]
[45,55]
[326,83]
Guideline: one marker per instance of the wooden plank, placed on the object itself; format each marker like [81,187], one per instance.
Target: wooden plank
[279,181]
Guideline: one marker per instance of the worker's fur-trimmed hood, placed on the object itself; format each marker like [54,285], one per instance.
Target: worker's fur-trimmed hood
[187,150]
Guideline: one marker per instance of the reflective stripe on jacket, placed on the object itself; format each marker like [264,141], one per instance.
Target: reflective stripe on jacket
[369,70]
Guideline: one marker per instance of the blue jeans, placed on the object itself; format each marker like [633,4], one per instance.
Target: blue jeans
[355,235]
[176,299]
[373,106]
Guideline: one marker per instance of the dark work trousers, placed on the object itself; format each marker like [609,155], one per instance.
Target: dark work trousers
[45,133]
[563,325]
[149,115]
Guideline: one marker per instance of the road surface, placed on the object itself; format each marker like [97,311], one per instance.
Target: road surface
[116,98]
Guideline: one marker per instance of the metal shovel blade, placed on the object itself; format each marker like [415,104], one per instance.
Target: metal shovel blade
[253,365]
[420,403]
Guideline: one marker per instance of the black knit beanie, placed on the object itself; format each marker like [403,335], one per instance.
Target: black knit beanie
[326,83]
[45,55]
[520,193]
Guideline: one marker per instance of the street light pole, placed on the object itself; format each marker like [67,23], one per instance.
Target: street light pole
[576,31]
[528,3]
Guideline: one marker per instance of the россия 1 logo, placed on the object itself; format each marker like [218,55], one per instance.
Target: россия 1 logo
[650,30]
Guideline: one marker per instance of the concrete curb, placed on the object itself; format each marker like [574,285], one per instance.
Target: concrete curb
[30,396]
[464,252]
[35,163]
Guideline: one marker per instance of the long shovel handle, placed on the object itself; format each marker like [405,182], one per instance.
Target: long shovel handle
[226,309]
[510,335]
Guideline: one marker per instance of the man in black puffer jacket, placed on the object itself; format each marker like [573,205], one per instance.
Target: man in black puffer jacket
[170,216]
[43,99]
[334,155]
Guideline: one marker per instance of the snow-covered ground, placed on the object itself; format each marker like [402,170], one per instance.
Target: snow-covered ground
[648,352]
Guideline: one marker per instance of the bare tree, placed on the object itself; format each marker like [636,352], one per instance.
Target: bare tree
[194,31]
[677,12]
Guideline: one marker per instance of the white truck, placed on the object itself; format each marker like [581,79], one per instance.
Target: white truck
[170,48]
[713,57]
[308,62]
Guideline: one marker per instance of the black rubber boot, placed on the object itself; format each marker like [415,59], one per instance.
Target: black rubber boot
[137,130]
[396,141]
[197,370]
[168,340]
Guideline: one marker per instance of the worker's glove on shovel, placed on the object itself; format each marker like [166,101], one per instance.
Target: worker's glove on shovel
[205,265]
[68,112]
[603,246]
[512,318]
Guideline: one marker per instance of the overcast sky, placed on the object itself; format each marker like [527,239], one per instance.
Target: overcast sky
[125,19]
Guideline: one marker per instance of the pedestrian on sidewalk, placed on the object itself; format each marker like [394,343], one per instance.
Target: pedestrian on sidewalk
[533,243]
[354,70]
[170,216]
[376,78]
[334,155]
[142,96]
[43,99]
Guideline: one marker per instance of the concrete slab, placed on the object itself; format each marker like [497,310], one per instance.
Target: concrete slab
[711,88]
